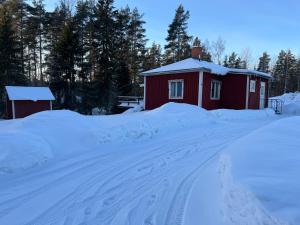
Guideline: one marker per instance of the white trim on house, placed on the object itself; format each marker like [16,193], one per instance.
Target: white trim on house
[247,93]
[145,85]
[13,109]
[50,105]
[262,94]
[200,88]
[218,93]
[170,91]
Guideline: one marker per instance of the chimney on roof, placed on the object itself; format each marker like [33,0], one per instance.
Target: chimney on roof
[196,52]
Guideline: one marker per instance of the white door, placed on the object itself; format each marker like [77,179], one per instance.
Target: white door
[262,95]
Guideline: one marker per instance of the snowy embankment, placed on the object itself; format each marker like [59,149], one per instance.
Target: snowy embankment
[38,138]
[291,103]
[267,163]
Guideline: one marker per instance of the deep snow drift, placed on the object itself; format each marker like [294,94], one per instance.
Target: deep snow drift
[178,164]
[267,163]
[291,103]
[36,139]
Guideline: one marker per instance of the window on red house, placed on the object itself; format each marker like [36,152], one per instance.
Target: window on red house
[215,90]
[176,89]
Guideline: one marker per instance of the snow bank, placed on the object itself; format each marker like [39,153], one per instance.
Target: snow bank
[291,103]
[20,150]
[243,115]
[169,118]
[33,140]
[267,163]
[240,206]
[136,108]
[38,138]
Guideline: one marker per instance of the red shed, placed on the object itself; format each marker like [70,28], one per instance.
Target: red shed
[24,101]
[205,84]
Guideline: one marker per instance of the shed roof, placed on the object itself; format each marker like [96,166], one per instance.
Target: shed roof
[29,93]
[192,64]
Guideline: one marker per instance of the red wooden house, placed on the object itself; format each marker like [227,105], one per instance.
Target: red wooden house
[24,101]
[205,84]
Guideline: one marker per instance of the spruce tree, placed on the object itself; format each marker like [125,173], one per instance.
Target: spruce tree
[264,63]
[284,73]
[178,41]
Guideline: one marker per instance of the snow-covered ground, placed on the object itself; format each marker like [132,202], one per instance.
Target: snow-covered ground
[291,103]
[176,165]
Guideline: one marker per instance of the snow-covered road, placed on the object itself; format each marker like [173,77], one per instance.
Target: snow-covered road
[158,181]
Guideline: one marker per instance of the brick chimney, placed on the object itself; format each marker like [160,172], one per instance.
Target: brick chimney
[196,52]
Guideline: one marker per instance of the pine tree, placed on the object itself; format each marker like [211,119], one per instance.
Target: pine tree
[20,14]
[153,57]
[31,43]
[66,49]
[10,53]
[264,63]
[298,74]
[178,47]
[104,39]
[83,25]
[284,74]
[124,43]
[225,62]
[56,27]
[137,50]
[39,15]
[232,60]
[279,71]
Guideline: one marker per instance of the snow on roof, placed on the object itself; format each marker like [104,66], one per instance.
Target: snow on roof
[192,64]
[29,93]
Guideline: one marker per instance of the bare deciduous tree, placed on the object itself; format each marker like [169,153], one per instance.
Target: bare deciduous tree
[246,57]
[218,48]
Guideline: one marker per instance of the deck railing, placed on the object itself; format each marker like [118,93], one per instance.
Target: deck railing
[130,101]
[275,104]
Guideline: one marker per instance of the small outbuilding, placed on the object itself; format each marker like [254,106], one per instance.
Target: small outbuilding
[205,84]
[24,101]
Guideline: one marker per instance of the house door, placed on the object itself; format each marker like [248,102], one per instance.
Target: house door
[262,95]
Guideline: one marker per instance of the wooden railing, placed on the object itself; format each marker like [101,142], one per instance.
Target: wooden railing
[130,101]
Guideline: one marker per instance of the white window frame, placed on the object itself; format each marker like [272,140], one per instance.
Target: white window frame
[252,86]
[218,93]
[170,91]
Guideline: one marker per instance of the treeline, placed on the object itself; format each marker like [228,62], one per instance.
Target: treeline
[94,52]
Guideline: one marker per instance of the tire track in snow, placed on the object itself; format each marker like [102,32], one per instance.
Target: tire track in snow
[94,180]
[176,211]
[107,183]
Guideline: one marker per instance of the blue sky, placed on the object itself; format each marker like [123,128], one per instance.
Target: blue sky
[260,25]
